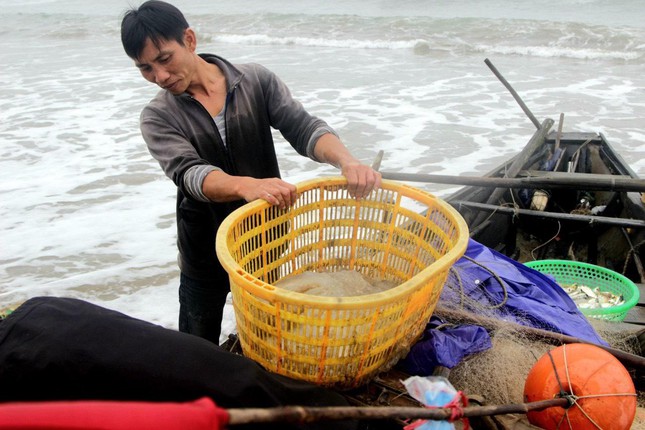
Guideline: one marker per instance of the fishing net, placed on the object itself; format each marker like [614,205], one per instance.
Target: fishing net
[342,283]
[494,373]
[498,374]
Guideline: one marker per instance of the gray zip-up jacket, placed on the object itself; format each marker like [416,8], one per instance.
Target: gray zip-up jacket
[180,134]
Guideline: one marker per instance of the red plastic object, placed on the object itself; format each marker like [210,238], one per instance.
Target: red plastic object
[602,388]
[201,414]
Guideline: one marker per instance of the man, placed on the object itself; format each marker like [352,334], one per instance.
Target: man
[210,130]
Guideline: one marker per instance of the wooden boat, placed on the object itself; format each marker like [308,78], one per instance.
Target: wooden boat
[597,223]
[577,211]
[567,196]
[589,207]
[574,198]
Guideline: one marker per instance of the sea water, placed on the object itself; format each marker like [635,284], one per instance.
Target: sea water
[86,212]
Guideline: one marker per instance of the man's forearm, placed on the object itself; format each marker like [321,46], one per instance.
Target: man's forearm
[329,149]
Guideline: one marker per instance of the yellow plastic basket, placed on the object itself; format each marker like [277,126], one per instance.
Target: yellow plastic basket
[398,233]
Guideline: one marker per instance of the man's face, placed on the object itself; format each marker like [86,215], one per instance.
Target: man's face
[169,65]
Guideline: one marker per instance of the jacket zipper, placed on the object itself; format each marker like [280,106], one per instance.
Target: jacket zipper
[229,159]
[229,96]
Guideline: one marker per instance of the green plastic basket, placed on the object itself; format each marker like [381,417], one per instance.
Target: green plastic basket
[568,272]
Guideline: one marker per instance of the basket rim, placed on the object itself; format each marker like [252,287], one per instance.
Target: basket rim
[270,292]
[620,277]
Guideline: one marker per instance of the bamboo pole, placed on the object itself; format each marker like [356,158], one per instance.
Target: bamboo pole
[513,93]
[589,219]
[548,180]
[301,414]
[376,164]
[556,148]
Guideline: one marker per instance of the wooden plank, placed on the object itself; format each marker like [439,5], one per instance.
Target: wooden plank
[636,315]
[574,137]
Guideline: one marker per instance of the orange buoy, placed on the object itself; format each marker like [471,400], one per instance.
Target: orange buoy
[600,389]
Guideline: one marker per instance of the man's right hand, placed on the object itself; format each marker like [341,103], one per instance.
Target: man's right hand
[222,187]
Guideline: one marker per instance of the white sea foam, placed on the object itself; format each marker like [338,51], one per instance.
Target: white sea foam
[564,52]
[319,42]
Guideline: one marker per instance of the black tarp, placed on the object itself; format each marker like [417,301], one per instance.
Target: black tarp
[62,348]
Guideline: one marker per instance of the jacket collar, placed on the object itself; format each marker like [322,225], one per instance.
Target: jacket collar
[232,74]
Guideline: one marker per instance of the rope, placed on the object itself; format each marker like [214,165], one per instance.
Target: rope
[632,253]
[566,367]
[547,242]
[456,406]
[497,278]
[462,295]
[607,395]
[515,206]
[557,377]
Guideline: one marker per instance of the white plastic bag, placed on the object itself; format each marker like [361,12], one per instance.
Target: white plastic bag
[434,391]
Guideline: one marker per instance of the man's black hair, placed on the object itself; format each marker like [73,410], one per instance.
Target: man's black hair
[155,20]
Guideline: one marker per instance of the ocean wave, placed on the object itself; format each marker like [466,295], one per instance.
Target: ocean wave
[439,43]
[260,39]
[560,52]
[425,35]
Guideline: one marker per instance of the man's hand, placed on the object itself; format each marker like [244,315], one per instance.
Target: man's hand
[222,187]
[273,190]
[361,179]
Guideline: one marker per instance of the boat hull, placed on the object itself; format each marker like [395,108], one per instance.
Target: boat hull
[595,224]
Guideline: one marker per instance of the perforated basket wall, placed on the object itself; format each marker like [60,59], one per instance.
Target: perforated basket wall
[567,272]
[398,233]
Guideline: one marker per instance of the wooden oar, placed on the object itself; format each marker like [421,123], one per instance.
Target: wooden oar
[302,414]
[544,180]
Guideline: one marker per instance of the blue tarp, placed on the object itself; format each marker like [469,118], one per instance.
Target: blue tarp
[446,346]
[533,299]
